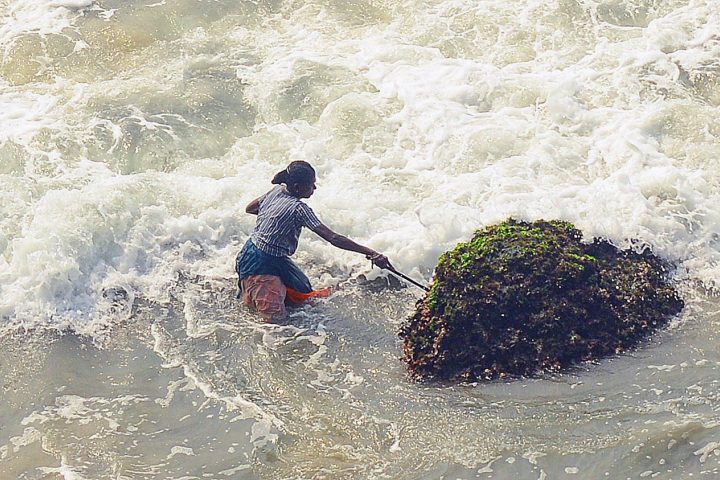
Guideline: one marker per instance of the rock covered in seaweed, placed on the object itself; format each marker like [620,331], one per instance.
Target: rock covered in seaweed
[522,298]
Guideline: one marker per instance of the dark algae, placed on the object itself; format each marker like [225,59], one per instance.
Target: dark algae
[523,298]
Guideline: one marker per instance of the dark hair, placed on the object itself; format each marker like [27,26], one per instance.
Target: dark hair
[297,172]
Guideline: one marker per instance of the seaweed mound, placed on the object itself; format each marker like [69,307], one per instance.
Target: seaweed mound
[524,298]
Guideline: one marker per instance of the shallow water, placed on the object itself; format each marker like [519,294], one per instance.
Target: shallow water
[134,132]
[201,390]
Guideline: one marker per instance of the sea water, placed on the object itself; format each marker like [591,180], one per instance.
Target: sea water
[134,132]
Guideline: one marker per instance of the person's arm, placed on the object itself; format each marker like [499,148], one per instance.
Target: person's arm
[254,206]
[341,241]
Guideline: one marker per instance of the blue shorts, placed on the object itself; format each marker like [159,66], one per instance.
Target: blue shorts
[253,261]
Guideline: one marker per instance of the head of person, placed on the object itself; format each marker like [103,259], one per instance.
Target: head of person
[298,177]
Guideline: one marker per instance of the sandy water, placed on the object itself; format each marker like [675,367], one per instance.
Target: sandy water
[134,132]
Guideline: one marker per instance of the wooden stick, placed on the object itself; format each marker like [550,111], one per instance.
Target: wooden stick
[405,277]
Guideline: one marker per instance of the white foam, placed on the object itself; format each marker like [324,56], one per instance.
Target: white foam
[64,470]
[709,449]
[180,450]
[25,113]
[38,16]
[414,149]
[71,4]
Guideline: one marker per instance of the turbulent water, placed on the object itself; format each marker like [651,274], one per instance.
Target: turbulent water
[134,132]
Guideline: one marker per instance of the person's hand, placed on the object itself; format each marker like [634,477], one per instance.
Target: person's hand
[380,260]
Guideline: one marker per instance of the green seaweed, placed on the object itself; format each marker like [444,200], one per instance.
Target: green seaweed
[523,298]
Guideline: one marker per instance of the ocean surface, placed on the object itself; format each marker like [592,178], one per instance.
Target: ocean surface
[134,132]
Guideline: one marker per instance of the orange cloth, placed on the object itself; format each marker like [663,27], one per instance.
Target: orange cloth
[294,297]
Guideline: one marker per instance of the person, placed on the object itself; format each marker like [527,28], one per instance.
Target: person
[267,277]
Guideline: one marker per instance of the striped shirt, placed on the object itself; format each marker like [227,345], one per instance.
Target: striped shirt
[280,219]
